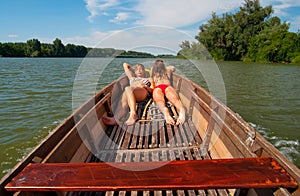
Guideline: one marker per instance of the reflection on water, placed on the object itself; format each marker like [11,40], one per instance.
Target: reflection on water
[36,95]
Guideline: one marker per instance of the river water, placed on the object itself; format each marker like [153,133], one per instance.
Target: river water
[36,95]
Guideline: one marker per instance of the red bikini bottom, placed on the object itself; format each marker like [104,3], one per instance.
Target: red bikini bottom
[162,87]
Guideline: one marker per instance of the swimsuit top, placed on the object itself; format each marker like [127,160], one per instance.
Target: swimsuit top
[144,80]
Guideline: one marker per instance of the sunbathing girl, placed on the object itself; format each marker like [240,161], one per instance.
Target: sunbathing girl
[138,90]
[162,87]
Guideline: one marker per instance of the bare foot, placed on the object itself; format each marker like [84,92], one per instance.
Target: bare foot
[181,118]
[109,120]
[131,120]
[168,117]
[169,120]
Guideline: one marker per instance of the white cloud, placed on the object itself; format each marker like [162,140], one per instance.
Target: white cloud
[121,16]
[178,13]
[89,41]
[12,36]
[280,2]
[153,39]
[181,13]
[280,6]
[174,13]
[281,9]
[97,7]
[166,13]
[295,24]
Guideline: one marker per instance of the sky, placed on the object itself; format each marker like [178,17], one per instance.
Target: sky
[155,26]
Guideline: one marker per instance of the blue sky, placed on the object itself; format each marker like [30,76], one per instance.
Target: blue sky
[128,24]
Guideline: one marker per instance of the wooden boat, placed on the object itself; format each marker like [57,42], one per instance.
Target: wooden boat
[215,152]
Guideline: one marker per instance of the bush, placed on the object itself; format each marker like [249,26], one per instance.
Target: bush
[296,59]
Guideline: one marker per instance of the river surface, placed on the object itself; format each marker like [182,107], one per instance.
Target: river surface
[36,95]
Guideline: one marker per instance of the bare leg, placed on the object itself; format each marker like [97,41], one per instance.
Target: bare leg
[132,106]
[173,97]
[133,95]
[129,98]
[159,99]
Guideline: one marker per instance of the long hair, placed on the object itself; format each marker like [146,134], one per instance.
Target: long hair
[159,70]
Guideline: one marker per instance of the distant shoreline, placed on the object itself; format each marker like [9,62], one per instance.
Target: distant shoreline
[34,48]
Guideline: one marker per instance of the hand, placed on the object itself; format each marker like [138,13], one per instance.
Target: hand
[126,65]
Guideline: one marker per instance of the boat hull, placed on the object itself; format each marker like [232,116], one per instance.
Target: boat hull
[211,131]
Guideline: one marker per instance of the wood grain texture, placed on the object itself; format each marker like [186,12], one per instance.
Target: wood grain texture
[180,175]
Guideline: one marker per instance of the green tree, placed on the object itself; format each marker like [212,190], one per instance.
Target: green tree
[133,54]
[250,20]
[58,48]
[33,48]
[82,51]
[72,50]
[6,49]
[12,49]
[228,37]
[274,44]
[1,49]
[19,49]
[193,50]
[46,50]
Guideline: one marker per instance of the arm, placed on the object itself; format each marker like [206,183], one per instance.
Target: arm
[128,70]
[151,88]
[171,68]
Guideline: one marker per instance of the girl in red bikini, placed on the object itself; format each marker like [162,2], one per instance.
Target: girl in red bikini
[162,88]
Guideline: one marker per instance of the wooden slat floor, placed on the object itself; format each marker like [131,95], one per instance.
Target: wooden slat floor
[151,141]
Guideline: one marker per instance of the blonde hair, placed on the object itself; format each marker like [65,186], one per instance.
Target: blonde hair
[139,65]
[142,66]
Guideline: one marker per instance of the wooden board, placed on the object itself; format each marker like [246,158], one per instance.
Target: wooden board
[180,175]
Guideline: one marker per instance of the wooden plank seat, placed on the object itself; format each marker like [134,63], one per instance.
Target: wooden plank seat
[186,175]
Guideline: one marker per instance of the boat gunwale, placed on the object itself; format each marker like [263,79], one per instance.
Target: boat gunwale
[258,139]
[58,132]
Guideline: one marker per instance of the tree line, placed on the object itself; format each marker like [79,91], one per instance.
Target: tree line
[250,34]
[34,48]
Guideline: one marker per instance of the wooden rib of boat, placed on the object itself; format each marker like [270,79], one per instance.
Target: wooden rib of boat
[215,152]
